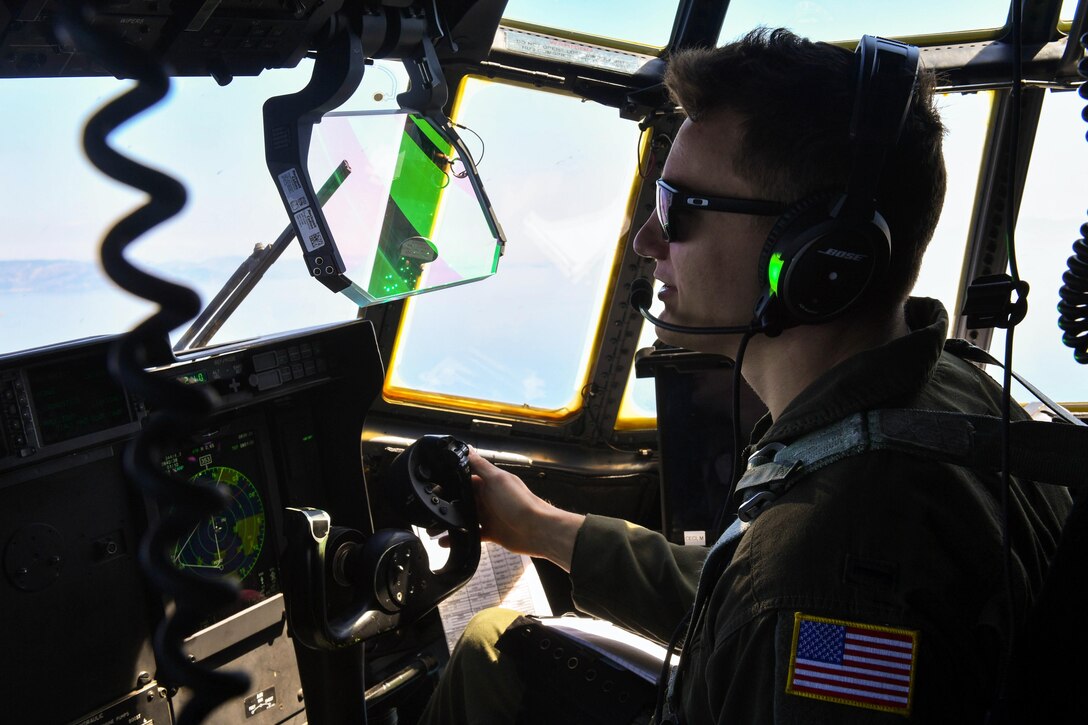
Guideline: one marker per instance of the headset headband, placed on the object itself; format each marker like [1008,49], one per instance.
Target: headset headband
[827,251]
[887,72]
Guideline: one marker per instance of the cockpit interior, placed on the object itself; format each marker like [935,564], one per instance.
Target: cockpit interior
[270,267]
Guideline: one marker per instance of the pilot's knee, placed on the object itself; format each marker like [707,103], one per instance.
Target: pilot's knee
[483,631]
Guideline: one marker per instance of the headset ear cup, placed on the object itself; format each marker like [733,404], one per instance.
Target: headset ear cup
[784,229]
[770,312]
[818,265]
[774,308]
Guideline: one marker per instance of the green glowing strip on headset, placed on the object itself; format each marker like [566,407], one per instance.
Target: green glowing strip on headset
[774,271]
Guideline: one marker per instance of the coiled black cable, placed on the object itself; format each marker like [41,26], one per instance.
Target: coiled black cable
[1073,305]
[177,409]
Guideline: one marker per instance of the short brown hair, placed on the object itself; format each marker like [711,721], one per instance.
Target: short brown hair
[796,98]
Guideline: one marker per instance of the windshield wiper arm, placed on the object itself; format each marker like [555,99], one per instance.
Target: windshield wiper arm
[248,274]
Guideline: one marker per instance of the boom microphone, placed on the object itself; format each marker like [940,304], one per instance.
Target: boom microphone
[641,296]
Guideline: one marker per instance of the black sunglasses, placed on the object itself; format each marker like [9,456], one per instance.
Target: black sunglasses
[669,196]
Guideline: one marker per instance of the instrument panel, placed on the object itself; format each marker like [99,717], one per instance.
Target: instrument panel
[285,433]
[58,399]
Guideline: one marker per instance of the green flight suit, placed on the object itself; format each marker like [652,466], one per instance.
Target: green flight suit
[880,542]
[881,539]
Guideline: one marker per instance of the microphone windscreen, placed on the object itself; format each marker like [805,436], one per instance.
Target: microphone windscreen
[642,294]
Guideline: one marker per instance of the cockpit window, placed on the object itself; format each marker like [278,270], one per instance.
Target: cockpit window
[844,19]
[965,116]
[58,207]
[521,342]
[1051,214]
[638,408]
[404,221]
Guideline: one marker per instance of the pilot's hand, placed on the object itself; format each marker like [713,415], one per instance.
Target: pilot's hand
[513,516]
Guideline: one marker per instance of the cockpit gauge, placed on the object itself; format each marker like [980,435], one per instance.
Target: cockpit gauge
[230,541]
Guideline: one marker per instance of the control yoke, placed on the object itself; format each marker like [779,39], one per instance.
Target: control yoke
[383,581]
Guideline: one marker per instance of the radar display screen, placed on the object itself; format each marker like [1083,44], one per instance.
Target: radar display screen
[234,542]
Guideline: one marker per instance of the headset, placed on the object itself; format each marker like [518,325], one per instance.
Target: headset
[826,251]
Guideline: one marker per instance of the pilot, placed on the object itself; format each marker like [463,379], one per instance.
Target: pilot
[874,589]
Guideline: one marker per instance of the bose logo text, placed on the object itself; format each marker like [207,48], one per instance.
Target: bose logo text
[832,252]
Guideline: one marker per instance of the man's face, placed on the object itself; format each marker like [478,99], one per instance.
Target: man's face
[708,271]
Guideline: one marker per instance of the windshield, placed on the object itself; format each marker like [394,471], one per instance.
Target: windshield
[405,213]
[559,170]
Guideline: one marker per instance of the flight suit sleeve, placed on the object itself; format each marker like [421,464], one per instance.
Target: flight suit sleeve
[633,576]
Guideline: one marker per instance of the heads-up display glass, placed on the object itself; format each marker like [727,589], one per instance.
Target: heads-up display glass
[403,202]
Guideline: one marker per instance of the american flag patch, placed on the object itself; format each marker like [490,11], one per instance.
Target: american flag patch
[852,664]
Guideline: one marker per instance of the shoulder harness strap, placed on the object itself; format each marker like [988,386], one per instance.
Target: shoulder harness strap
[1051,453]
